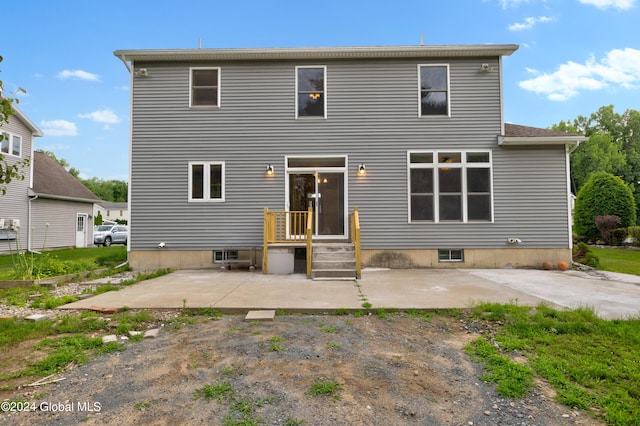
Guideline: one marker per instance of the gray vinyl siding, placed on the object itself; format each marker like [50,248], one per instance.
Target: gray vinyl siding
[372,117]
[14,204]
[61,217]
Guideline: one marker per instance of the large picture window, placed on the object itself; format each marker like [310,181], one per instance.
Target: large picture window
[11,144]
[205,87]
[434,90]
[449,186]
[206,181]
[311,93]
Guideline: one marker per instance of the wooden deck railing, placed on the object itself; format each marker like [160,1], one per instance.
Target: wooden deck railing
[355,239]
[281,227]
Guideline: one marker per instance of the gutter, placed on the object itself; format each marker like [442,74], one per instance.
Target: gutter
[29,223]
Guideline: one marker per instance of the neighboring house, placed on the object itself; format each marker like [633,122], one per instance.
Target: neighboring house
[62,207]
[17,146]
[111,212]
[413,136]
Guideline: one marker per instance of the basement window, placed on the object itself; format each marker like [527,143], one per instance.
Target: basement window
[450,255]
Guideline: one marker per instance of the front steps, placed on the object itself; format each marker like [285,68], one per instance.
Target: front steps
[333,261]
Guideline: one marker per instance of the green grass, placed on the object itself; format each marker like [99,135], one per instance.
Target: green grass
[626,261]
[218,392]
[59,262]
[591,362]
[276,344]
[326,388]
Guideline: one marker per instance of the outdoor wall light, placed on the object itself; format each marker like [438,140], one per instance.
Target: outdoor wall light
[362,170]
[142,72]
[270,170]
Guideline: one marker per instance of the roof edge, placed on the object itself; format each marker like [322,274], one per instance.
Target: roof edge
[353,52]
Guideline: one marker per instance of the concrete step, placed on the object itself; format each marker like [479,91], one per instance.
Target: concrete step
[349,264]
[333,247]
[332,274]
[334,256]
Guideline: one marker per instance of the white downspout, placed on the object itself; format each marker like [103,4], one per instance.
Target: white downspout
[29,233]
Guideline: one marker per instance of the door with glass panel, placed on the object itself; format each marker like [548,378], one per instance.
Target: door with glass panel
[322,190]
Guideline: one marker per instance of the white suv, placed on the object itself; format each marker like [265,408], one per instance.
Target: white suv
[106,235]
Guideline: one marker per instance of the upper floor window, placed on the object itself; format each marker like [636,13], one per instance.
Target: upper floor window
[205,87]
[450,186]
[311,96]
[11,144]
[206,181]
[434,90]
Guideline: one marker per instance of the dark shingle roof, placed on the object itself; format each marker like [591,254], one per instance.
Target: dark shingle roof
[515,130]
[50,178]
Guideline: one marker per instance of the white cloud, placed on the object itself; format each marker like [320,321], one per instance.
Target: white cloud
[616,4]
[618,68]
[78,74]
[511,3]
[532,70]
[102,116]
[529,23]
[59,128]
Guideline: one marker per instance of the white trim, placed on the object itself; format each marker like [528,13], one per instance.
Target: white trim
[448,114]
[501,89]
[206,184]
[324,92]
[9,140]
[345,170]
[464,165]
[569,194]
[218,98]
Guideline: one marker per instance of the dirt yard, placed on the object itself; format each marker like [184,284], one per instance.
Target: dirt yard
[391,371]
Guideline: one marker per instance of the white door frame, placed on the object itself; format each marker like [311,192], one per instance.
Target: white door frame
[343,170]
[81,234]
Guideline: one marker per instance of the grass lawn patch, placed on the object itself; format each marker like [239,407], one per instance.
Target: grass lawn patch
[591,362]
[626,261]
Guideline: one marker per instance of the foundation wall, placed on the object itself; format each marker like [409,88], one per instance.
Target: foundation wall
[396,259]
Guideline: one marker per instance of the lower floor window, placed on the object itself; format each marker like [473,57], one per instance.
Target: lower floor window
[450,186]
[206,181]
[448,255]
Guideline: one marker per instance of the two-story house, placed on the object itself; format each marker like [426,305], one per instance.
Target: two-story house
[226,144]
[47,209]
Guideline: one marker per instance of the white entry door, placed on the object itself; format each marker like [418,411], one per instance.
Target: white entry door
[81,230]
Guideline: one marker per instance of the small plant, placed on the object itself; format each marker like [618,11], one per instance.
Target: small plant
[381,313]
[141,405]
[276,343]
[341,311]
[217,392]
[329,329]
[294,422]
[334,346]
[325,387]
[582,253]
[366,305]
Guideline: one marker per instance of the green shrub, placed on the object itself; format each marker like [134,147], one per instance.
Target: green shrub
[634,232]
[617,236]
[602,195]
[583,254]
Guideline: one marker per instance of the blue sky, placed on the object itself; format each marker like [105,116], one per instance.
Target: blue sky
[574,57]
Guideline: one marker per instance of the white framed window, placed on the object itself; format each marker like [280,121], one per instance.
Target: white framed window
[206,181]
[450,255]
[204,84]
[11,144]
[450,186]
[433,90]
[311,91]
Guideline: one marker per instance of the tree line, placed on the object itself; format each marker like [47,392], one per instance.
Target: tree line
[107,190]
[613,147]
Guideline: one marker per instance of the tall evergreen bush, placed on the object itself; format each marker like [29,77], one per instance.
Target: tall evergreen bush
[602,195]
